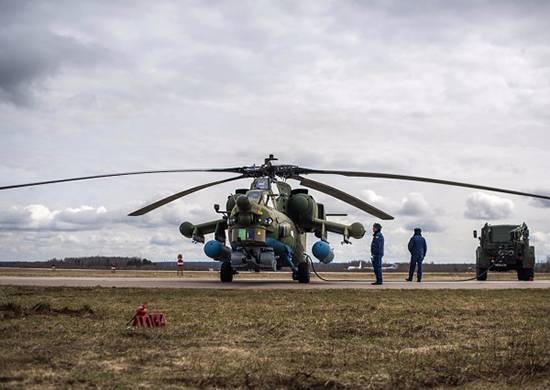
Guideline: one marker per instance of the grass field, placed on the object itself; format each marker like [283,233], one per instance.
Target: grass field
[367,275]
[77,337]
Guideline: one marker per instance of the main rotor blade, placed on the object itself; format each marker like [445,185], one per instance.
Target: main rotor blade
[39,183]
[423,179]
[338,194]
[171,198]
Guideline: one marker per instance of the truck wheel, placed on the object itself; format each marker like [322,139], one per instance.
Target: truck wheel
[303,272]
[526,274]
[226,272]
[481,274]
[521,274]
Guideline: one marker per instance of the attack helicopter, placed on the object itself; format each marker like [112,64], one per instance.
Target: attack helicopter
[266,229]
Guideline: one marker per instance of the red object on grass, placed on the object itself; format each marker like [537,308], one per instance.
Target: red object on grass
[144,320]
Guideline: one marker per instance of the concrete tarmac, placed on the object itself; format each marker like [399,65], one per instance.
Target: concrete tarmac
[243,283]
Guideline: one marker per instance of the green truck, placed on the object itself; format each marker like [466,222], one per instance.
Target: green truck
[503,248]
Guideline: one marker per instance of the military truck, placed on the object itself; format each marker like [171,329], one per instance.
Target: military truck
[503,248]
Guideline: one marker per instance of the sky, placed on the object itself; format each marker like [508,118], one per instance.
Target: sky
[456,90]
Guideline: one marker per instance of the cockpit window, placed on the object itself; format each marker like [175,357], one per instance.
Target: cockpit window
[255,196]
[261,183]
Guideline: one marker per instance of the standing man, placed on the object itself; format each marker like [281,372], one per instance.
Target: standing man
[377,252]
[418,249]
[179,264]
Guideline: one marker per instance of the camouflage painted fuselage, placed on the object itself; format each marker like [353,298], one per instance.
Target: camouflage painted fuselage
[267,230]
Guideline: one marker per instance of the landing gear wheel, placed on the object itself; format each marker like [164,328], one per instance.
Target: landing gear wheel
[481,274]
[226,272]
[303,272]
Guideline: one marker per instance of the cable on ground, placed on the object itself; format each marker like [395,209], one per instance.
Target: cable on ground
[310,261]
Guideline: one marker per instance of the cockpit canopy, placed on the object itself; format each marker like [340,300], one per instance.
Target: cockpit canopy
[257,196]
[261,183]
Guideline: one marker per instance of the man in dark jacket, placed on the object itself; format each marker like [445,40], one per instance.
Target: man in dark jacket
[377,252]
[418,249]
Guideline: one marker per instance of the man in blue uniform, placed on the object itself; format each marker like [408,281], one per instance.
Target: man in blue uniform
[418,249]
[377,252]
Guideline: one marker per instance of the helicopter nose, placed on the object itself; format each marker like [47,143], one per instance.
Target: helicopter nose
[245,219]
[243,203]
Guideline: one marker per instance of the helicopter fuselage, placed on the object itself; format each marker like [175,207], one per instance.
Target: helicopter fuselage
[267,231]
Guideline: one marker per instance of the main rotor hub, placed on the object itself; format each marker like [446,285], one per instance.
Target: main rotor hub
[272,171]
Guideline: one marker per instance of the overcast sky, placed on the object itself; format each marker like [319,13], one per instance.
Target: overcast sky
[452,90]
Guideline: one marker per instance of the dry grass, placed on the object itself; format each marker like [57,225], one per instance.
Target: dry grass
[77,337]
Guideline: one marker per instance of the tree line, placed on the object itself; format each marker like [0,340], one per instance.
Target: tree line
[100,261]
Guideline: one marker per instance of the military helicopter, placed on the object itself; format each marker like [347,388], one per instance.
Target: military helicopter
[266,229]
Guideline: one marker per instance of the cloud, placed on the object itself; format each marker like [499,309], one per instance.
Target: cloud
[85,215]
[28,57]
[38,217]
[32,217]
[163,239]
[540,237]
[34,51]
[379,201]
[427,224]
[541,240]
[172,214]
[540,203]
[372,197]
[414,208]
[417,212]
[487,207]
[414,204]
